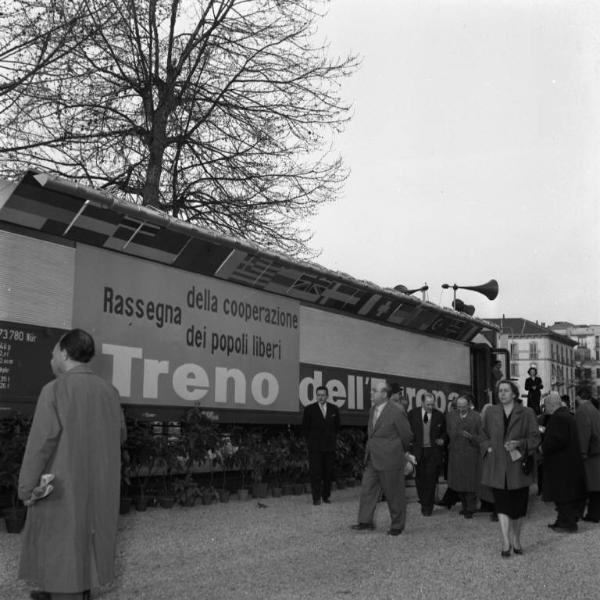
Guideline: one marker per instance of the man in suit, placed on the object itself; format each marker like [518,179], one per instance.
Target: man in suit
[387,444]
[321,423]
[587,419]
[564,482]
[429,429]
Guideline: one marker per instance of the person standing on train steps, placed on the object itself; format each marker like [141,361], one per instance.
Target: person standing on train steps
[429,428]
[70,535]
[533,387]
[321,423]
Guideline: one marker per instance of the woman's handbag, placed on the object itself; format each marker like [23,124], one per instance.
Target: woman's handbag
[527,463]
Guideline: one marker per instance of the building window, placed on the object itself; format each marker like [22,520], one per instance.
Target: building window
[533,351]
[514,350]
[553,372]
[581,341]
[562,354]
[587,373]
[597,373]
[514,370]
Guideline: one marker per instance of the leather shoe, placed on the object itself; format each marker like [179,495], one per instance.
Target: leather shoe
[316,502]
[363,526]
[562,528]
[326,500]
[39,595]
[589,519]
[518,551]
[394,531]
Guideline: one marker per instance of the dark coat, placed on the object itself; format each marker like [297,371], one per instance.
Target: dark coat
[563,466]
[464,457]
[321,433]
[533,388]
[437,431]
[587,418]
[389,440]
[497,466]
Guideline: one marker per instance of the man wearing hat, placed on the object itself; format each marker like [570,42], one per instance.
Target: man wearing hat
[533,386]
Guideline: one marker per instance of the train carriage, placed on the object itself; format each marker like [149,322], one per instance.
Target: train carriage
[184,316]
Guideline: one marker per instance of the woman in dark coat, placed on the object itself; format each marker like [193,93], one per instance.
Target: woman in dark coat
[533,387]
[509,433]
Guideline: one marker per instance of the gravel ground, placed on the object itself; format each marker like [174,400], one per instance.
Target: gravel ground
[294,550]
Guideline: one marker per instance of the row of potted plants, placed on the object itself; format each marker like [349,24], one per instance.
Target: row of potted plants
[205,461]
[261,459]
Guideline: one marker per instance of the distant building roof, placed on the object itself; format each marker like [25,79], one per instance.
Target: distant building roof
[519,327]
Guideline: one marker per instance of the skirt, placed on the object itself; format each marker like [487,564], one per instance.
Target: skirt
[512,503]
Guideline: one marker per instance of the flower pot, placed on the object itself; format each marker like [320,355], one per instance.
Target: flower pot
[124,506]
[259,490]
[341,484]
[350,482]
[298,489]
[141,503]
[166,501]
[208,498]
[287,489]
[15,520]
[189,501]
[276,492]
[244,494]
[307,488]
[224,495]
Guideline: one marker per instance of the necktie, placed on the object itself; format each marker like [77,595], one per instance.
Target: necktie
[324,410]
[426,418]
[375,415]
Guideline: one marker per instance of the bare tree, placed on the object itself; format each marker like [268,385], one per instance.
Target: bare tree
[220,112]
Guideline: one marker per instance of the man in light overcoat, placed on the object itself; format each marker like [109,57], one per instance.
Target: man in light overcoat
[387,444]
[464,458]
[70,536]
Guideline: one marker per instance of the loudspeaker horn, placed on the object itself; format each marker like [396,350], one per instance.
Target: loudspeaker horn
[489,289]
[460,306]
[405,290]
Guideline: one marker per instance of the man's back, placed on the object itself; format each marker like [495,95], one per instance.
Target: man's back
[75,435]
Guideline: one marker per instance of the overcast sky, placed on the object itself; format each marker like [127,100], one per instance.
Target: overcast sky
[474,152]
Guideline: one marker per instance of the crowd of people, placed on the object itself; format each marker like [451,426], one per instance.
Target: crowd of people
[491,458]
[70,473]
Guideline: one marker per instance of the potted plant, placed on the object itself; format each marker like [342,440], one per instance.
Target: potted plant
[226,458]
[186,490]
[125,498]
[277,460]
[242,460]
[13,439]
[257,462]
[141,449]
[168,455]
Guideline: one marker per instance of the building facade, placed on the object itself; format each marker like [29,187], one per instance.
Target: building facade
[531,344]
[587,353]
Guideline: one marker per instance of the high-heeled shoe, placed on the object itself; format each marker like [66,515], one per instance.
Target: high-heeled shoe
[506,553]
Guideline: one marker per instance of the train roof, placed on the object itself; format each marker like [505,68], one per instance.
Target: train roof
[55,207]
